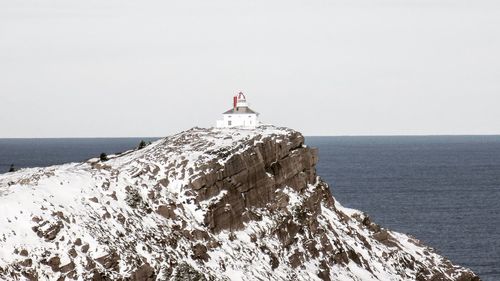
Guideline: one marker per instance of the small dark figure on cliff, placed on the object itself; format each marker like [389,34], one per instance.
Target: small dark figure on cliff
[12,169]
[103,157]
[142,144]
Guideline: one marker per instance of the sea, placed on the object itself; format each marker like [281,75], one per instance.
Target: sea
[443,190]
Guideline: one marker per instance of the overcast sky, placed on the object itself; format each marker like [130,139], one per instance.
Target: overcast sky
[99,68]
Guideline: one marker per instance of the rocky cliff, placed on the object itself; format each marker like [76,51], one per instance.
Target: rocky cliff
[205,204]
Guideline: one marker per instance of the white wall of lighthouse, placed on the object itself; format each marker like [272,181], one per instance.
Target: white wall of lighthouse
[238,120]
[240,115]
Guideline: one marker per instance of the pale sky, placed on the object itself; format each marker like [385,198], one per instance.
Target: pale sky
[97,68]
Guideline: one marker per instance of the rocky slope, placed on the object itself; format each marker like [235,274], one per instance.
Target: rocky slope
[205,204]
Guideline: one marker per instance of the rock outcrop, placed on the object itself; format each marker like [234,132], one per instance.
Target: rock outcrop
[205,204]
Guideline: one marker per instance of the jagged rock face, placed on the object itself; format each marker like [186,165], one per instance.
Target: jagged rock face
[250,180]
[206,204]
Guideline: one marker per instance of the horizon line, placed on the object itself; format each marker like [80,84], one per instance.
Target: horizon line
[354,135]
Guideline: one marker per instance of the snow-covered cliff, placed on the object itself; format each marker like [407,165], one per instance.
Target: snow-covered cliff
[205,204]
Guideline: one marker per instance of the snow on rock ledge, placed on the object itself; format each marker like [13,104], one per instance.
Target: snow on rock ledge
[205,204]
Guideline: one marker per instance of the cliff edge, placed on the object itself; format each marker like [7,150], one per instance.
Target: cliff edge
[205,204]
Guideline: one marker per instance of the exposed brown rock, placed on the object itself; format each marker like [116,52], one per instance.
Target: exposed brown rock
[166,211]
[385,238]
[341,258]
[200,252]
[51,231]
[54,263]
[324,273]
[72,252]
[295,259]
[247,173]
[30,274]
[185,272]
[198,234]
[144,273]
[67,267]
[110,261]
[61,216]
[85,248]
[26,263]
[468,276]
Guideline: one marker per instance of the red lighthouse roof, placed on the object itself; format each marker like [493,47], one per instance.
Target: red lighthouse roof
[240,105]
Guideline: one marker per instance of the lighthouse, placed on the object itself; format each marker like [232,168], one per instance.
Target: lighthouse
[240,115]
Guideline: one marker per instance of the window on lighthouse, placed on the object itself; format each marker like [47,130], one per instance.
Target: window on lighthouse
[229,123]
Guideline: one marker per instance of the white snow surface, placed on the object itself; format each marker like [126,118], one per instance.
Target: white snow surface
[91,202]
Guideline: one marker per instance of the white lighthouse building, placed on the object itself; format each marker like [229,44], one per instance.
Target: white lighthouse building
[240,115]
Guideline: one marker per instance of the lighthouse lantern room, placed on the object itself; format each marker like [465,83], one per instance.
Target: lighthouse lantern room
[240,115]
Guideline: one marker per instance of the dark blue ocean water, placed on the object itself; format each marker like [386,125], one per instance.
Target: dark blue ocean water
[444,190]
[46,152]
